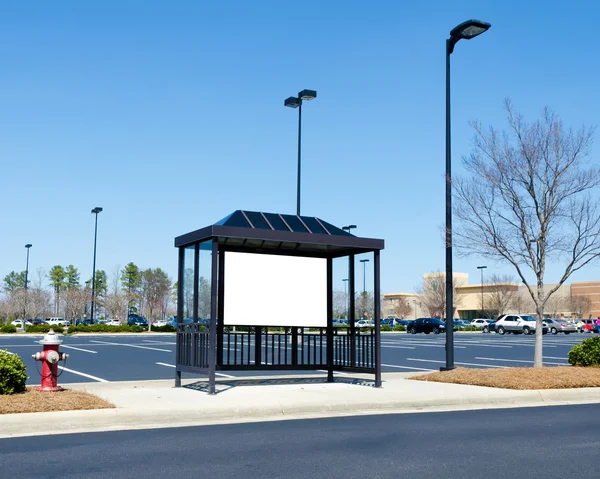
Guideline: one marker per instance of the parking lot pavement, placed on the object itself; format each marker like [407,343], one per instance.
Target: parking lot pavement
[108,358]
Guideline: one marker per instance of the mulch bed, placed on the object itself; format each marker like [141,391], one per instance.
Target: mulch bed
[561,377]
[36,401]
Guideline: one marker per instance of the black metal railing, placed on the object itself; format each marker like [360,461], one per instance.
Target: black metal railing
[275,348]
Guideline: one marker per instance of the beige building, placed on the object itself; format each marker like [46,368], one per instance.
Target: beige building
[477,300]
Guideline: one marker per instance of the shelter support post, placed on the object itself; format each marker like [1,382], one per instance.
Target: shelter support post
[377,311]
[329,320]
[180,266]
[212,337]
[351,316]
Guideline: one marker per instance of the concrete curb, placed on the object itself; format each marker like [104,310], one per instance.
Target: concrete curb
[208,410]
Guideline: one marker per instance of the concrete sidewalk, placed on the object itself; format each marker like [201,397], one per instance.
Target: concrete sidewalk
[157,404]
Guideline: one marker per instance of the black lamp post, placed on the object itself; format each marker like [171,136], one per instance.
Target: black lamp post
[296,102]
[27,265]
[467,30]
[95,211]
[482,308]
[345,280]
[364,262]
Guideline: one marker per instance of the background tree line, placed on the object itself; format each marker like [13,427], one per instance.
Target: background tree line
[60,292]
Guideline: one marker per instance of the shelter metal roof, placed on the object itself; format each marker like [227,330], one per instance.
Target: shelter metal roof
[256,231]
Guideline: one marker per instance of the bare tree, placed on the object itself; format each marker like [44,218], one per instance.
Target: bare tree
[76,299]
[502,295]
[340,304]
[401,307]
[433,294]
[529,200]
[580,305]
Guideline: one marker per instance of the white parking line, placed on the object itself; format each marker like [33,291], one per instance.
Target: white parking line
[554,357]
[464,364]
[156,342]
[398,347]
[83,374]
[131,346]
[435,345]
[406,367]
[519,361]
[218,374]
[79,349]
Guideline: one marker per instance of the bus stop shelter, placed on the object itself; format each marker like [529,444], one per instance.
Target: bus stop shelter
[221,329]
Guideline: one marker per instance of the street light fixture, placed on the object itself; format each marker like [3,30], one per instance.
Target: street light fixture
[467,30]
[364,262]
[296,102]
[95,211]
[482,308]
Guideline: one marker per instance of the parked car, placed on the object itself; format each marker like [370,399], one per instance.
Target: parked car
[57,321]
[112,322]
[589,326]
[37,321]
[480,322]
[556,325]
[19,323]
[159,323]
[489,327]
[363,323]
[517,324]
[388,322]
[427,325]
[85,322]
[461,323]
[135,319]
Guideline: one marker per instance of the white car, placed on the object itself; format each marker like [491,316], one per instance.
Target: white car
[19,323]
[363,323]
[112,322]
[517,324]
[57,321]
[480,323]
[159,323]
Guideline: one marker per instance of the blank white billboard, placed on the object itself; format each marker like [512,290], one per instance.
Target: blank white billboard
[275,290]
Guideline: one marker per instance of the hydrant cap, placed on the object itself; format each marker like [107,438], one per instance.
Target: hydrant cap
[51,338]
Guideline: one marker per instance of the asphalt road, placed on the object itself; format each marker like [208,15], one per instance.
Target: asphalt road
[146,356]
[545,442]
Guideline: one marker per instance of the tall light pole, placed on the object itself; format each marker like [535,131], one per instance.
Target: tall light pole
[296,102]
[467,30]
[26,283]
[364,262]
[95,211]
[482,308]
[345,280]
[27,265]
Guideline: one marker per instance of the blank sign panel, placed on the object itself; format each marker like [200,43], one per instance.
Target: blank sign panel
[275,290]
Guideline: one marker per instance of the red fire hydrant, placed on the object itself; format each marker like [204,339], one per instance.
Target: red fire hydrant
[50,356]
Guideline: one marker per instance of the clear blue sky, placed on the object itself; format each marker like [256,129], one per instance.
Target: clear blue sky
[170,116]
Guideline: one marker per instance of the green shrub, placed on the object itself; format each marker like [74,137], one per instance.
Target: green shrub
[587,353]
[8,328]
[167,328]
[103,328]
[385,327]
[400,327]
[12,373]
[43,328]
